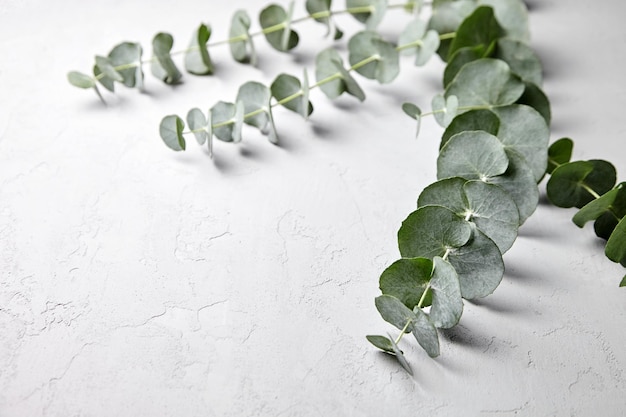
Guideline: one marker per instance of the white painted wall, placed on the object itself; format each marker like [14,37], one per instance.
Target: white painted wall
[140,282]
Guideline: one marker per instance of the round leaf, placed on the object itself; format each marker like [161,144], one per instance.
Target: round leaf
[365,45]
[571,183]
[512,16]
[473,155]
[273,17]
[128,55]
[464,56]
[163,66]
[447,301]
[370,12]
[431,231]
[288,87]
[526,132]
[197,58]
[406,279]
[171,131]
[479,266]
[521,58]
[241,45]
[444,109]
[332,77]
[485,83]
[559,153]
[197,123]
[479,28]
[485,120]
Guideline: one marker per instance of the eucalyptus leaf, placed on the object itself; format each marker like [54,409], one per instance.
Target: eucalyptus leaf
[446,17]
[472,155]
[559,153]
[197,122]
[400,355]
[447,304]
[241,44]
[256,99]
[535,97]
[485,83]
[128,56]
[332,77]
[603,205]
[224,117]
[606,223]
[417,40]
[414,112]
[623,283]
[480,28]
[523,61]
[464,56]
[171,131]
[275,16]
[365,45]
[373,16]
[197,58]
[485,120]
[394,312]
[106,68]
[512,16]
[287,86]
[488,206]
[524,130]
[320,10]
[105,81]
[431,231]
[381,342]
[407,279]
[616,245]
[519,181]
[426,334]
[163,66]
[574,184]
[479,266]
[445,109]
[80,80]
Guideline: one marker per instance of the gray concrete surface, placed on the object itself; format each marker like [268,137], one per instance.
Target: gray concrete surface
[140,282]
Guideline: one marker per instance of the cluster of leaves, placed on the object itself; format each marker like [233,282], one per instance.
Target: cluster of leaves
[493,153]
[591,187]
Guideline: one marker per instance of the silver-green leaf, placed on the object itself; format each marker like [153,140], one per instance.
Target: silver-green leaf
[171,131]
[197,58]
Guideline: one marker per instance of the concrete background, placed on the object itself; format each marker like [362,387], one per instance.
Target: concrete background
[136,281]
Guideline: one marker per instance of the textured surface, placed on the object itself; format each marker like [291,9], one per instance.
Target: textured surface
[137,281]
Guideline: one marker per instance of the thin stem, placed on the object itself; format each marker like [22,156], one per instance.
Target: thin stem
[406,326]
[589,190]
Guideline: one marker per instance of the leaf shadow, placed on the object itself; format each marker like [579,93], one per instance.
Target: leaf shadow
[467,337]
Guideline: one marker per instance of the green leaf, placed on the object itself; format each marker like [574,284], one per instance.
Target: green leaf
[283,38]
[519,181]
[417,40]
[445,109]
[381,342]
[603,205]
[80,80]
[574,184]
[512,16]
[523,61]
[606,223]
[559,153]
[426,334]
[106,73]
[414,112]
[488,206]
[480,28]
[485,83]
[197,58]
[241,45]
[485,120]
[365,45]
[163,66]
[464,56]
[197,123]
[394,312]
[400,355]
[479,266]
[171,131]
[534,97]
[623,283]
[332,77]
[616,245]
[287,86]
[320,10]
[227,119]
[473,155]
[256,98]
[431,231]
[406,279]
[447,301]
[446,18]
[128,55]
[373,16]
[523,130]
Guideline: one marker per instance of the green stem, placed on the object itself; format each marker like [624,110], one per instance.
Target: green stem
[406,326]
[590,190]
